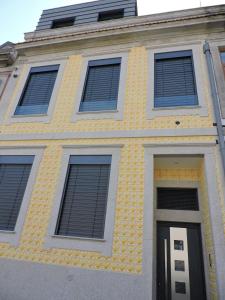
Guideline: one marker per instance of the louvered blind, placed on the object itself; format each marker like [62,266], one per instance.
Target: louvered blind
[101,85]
[84,201]
[177,198]
[174,80]
[38,90]
[13,181]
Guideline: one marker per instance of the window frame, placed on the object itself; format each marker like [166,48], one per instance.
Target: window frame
[108,12]
[197,59]
[58,22]
[22,83]
[116,114]
[82,243]
[13,237]
[4,77]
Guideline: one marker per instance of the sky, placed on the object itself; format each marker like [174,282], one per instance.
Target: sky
[20,16]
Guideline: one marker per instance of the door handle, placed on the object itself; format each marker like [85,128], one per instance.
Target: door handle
[165,258]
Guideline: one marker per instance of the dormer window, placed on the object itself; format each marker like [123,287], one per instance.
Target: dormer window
[111,15]
[66,22]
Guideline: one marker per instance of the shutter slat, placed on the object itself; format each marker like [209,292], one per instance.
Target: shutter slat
[84,202]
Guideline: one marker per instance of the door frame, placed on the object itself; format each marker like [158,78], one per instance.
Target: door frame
[181,225]
[180,216]
[212,169]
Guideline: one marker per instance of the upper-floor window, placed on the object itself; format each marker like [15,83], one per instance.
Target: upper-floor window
[66,22]
[111,15]
[101,85]
[37,91]
[174,81]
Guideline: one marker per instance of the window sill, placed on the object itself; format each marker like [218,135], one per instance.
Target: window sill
[77,238]
[29,116]
[78,243]
[97,112]
[155,112]
[97,115]
[7,232]
[176,107]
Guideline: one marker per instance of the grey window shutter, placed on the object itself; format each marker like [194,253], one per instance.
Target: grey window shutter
[13,181]
[38,90]
[174,80]
[101,85]
[84,202]
[177,198]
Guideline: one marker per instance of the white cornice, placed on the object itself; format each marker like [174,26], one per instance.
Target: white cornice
[190,17]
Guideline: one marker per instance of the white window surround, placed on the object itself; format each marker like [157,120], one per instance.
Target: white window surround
[87,244]
[3,80]
[208,151]
[39,117]
[12,237]
[184,216]
[177,215]
[104,114]
[199,109]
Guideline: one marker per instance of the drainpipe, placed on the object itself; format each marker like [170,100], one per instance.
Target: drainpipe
[216,102]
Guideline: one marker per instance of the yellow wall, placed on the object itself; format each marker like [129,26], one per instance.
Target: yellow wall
[134,105]
[128,230]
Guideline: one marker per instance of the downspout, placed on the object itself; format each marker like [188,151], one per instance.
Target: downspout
[216,102]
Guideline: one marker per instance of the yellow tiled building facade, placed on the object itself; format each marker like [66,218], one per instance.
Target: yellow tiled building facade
[178,149]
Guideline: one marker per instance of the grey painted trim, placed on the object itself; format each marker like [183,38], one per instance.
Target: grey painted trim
[200,109]
[103,246]
[115,114]
[110,134]
[214,201]
[13,237]
[184,216]
[37,118]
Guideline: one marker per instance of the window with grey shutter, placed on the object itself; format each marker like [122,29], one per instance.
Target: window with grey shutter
[177,198]
[101,85]
[14,174]
[37,91]
[84,200]
[174,81]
